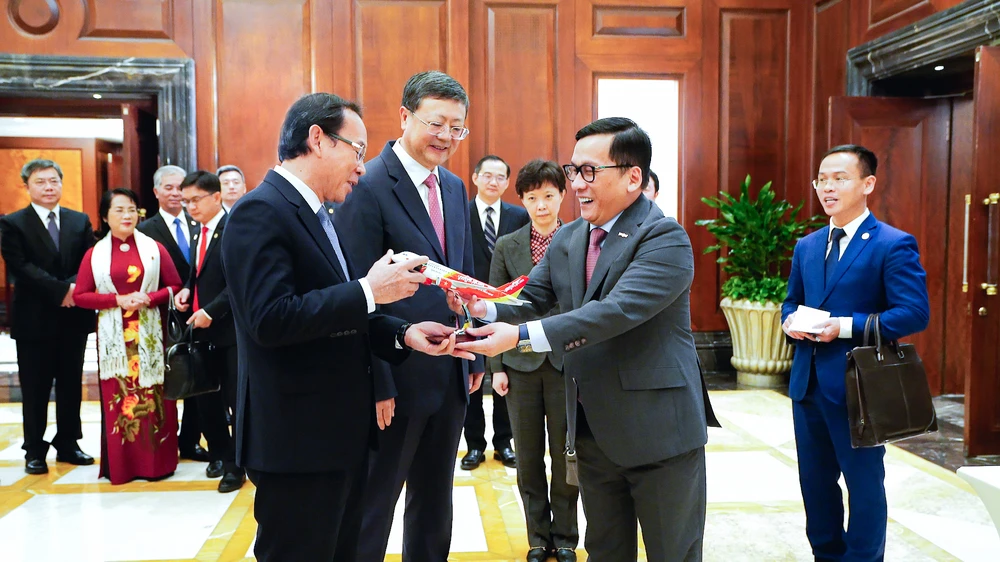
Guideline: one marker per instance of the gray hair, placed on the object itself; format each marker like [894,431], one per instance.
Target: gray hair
[230,168]
[167,170]
[433,84]
[39,164]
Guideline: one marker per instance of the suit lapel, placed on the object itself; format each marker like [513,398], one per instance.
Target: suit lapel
[522,254]
[41,230]
[453,198]
[813,266]
[478,236]
[67,231]
[216,238]
[409,198]
[308,218]
[578,262]
[621,235]
[506,225]
[854,249]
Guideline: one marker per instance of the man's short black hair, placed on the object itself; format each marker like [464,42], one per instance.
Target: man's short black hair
[487,158]
[433,84]
[656,181]
[39,164]
[321,109]
[866,158]
[205,181]
[535,174]
[630,146]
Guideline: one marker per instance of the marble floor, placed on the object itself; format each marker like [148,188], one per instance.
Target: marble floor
[754,504]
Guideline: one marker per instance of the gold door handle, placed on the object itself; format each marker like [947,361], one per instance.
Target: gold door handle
[990,286]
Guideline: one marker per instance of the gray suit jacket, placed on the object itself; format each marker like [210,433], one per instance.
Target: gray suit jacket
[625,339]
[512,259]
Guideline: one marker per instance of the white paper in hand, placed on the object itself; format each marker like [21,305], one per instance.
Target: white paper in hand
[806,319]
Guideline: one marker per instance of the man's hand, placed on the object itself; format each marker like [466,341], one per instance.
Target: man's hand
[475,381]
[391,282]
[384,410]
[792,333]
[200,319]
[455,302]
[831,330]
[499,337]
[500,383]
[181,299]
[431,338]
[67,301]
[477,307]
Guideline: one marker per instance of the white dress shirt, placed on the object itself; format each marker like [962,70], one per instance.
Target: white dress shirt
[169,219]
[212,224]
[418,175]
[43,214]
[482,206]
[850,229]
[314,205]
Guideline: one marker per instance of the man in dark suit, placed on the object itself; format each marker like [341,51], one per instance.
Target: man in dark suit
[855,267]
[637,406]
[206,292]
[490,219]
[172,227]
[43,245]
[305,334]
[408,201]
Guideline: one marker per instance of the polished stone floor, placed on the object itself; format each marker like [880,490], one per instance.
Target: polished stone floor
[754,504]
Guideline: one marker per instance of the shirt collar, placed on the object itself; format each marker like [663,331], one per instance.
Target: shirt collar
[309,195]
[482,206]
[418,174]
[169,219]
[608,225]
[43,213]
[214,222]
[852,227]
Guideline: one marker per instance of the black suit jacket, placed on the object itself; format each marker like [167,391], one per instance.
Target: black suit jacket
[213,295]
[511,219]
[385,212]
[304,400]
[158,230]
[42,275]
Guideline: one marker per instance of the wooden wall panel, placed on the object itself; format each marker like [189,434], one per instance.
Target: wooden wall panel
[640,27]
[831,34]
[878,17]
[140,19]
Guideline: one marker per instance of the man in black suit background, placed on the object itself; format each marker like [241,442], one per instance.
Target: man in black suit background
[172,227]
[43,245]
[306,332]
[206,292]
[495,218]
[409,201]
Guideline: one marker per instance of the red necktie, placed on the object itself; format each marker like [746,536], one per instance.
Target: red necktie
[597,236]
[201,259]
[434,204]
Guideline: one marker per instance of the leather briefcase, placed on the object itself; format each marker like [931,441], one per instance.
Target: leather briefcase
[888,397]
[190,367]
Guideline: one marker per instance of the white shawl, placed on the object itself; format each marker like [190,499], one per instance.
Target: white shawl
[112,357]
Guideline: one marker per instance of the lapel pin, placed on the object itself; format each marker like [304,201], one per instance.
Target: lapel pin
[865,236]
[193,223]
[623,235]
[329,210]
[216,235]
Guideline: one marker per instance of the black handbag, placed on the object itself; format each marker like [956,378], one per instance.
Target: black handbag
[190,367]
[888,397]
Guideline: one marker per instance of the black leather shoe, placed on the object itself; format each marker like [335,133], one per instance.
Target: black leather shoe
[76,457]
[196,453]
[472,459]
[214,469]
[233,481]
[566,555]
[538,554]
[36,466]
[506,456]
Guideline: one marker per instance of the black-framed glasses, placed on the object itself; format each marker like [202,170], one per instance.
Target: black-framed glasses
[357,146]
[435,129]
[587,171]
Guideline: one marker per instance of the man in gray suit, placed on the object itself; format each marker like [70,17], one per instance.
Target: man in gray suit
[621,277]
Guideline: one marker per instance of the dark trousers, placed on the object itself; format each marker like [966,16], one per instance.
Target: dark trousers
[420,451]
[475,422]
[313,517]
[58,359]
[537,400]
[823,445]
[190,434]
[212,409]
[667,498]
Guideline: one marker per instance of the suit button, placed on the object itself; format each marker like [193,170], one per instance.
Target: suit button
[353,332]
[569,347]
[583,341]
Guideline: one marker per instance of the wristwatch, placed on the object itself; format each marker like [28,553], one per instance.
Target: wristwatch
[523,339]
[401,336]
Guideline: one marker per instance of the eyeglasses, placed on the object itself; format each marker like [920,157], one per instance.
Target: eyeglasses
[435,129]
[194,200]
[488,177]
[836,183]
[588,172]
[357,146]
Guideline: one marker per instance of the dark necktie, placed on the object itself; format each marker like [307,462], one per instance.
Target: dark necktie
[597,236]
[182,242]
[53,229]
[833,258]
[491,231]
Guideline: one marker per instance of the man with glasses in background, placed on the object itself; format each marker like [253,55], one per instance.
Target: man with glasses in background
[234,185]
[491,219]
[409,201]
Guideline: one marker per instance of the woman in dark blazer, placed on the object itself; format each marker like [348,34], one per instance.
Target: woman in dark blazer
[533,382]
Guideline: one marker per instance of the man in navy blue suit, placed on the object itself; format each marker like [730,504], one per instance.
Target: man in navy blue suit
[408,201]
[855,267]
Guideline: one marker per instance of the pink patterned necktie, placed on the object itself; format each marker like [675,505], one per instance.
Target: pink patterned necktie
[434,204]
[597,236]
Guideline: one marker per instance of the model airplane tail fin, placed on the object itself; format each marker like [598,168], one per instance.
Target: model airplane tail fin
[513,289]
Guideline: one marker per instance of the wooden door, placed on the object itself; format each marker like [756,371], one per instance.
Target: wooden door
[140,151]
[910,137]
[982,386]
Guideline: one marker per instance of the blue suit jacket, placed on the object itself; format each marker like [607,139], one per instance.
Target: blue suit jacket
[385,212]
[877,274]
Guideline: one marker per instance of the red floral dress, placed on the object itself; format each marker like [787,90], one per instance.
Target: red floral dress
[140,427]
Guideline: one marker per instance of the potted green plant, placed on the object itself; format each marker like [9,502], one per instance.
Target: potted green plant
[755,236]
